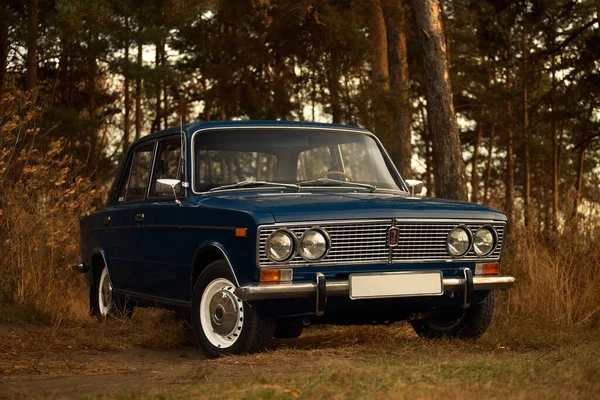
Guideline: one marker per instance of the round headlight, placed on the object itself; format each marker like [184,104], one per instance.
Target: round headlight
[484,241]
[459,241]
[313,244]
[280,245]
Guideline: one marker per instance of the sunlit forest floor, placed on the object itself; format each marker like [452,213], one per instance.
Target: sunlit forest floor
[153,355]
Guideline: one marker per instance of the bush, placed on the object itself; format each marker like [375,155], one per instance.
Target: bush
[43,193]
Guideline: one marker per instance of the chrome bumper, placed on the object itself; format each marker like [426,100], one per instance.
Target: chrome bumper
[341,288]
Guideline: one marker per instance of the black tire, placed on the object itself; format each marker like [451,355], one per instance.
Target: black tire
[255,331]
[468,323]
[288,329]
[113,305]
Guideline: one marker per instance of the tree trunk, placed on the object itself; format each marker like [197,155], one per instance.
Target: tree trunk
[3,47]
[126,121]
[395,20]
[446,31]
[450,178]
[510,161]
[334,87]
[488,169]
[579,186]
[32,27]
[475,163]
[527,183]
[158,91]
[166,108]
[138,88]
[379,44]
[555,193]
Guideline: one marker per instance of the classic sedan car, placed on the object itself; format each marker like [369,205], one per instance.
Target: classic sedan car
[258,229]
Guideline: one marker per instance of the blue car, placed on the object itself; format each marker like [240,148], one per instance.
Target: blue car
[258,229]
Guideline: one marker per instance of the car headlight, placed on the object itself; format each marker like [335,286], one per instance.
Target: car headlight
[280,245]
[459,241]
[484,241]
[314,244]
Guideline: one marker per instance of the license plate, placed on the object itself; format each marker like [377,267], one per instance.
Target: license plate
[396,284]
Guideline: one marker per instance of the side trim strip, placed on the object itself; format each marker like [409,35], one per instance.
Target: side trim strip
[156,299]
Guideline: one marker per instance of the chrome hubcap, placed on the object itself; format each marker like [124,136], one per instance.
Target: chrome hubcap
[224,312]
[106,293]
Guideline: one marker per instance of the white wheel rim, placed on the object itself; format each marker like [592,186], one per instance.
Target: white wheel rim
[104,293]
[220,304]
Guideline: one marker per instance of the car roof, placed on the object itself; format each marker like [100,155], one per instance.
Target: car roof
[189,129]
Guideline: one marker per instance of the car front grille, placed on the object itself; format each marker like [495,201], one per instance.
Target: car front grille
[366,242]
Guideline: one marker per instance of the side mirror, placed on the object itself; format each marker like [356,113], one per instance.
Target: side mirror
[414,186]
[171,183]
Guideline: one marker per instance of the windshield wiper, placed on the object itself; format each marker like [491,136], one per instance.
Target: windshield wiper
[249,184]
[335,182]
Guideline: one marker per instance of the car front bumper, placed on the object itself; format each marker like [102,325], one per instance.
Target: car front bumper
[342,287]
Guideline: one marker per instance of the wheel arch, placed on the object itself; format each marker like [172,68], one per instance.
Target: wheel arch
[98,260]
[204,256]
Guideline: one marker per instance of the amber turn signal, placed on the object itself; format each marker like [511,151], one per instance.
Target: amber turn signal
[275,275]
[487,269]
[241,232]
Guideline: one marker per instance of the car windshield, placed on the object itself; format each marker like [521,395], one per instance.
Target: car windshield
[303,157]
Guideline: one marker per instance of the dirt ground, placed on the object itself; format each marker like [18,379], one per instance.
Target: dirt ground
[153,356]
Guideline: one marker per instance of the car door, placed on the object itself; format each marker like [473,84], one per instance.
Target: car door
[166,266]
[121,220]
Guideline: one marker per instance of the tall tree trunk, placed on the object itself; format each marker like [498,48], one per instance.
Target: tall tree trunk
[395,21]
[446,30]
[579,187]
[475,162]
[166,108]
[158,91]
[32,27]
[126,121]
[527,183]
[555,193]
[3,47]
[333,82]
[488,169]
[380,73]
[510,159]
[450,180]
[138,87]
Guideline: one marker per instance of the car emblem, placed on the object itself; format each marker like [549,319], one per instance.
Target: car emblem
[393,234]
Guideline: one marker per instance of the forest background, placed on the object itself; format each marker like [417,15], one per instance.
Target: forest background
[80,80]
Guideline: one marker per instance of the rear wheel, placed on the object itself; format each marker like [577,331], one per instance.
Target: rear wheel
[222,322]
[103,301]
[469,323]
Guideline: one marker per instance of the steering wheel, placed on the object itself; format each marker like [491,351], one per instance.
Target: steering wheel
[327,173]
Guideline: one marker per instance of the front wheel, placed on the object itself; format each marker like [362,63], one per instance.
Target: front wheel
[222,322]
[468,323]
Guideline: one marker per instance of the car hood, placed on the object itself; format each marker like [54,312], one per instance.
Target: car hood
[318,206]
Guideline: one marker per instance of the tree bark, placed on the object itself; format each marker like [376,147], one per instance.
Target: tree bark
[32,25]
[450,180]
[527,183]
[126,121]
[379,44]
[475,161]
[166,108]
[3,47]
[395,21]
[138,88]
[333,82]
[158,91]
[488,169]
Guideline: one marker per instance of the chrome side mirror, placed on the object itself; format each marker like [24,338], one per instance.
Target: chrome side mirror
[414,186]
[171,183]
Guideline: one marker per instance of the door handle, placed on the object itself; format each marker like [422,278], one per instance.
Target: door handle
[139,217]
[106,221]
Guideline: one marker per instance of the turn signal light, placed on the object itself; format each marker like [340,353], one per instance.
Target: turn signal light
[275,275]
[487,269]
[241,232]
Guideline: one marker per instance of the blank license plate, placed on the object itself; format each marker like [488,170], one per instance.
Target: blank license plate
[396,284]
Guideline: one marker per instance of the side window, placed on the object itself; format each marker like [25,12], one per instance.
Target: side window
[133,186]
[168,166]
